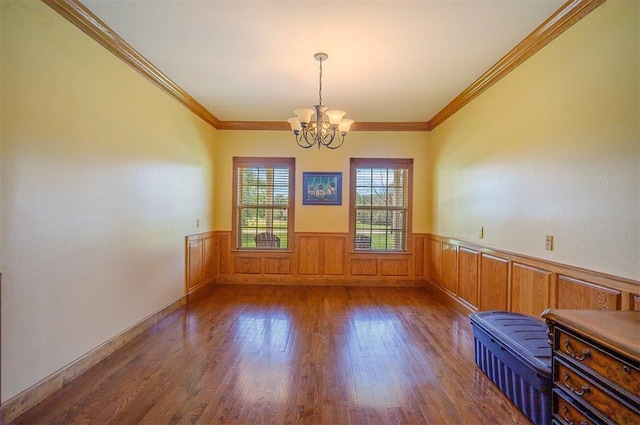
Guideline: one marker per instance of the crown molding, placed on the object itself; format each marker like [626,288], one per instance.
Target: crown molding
[391,126]
[90,24]
[254,125]
[570,13]
[358,126]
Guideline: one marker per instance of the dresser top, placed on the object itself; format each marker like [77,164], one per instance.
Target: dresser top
[617,330]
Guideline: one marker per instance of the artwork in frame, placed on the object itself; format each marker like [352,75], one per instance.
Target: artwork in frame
[320,188]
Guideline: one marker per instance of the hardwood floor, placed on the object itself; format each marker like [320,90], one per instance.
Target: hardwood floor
[280,355]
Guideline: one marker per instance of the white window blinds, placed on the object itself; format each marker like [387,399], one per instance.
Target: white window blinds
[263,204]
[381,206]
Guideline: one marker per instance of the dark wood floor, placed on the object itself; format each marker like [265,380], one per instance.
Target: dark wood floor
[280,355]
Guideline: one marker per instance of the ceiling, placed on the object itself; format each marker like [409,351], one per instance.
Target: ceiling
[389,60]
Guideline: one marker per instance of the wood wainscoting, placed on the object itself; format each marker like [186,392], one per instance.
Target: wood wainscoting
[476,277]
[317,258]
[486,279]
[205,259]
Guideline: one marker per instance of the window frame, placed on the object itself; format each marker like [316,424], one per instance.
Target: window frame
[263,162]
[356,163]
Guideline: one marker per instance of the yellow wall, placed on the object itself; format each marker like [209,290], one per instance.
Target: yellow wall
[552,149]
[102,175]
[358,145]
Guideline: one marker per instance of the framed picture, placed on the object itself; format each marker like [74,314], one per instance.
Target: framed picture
[320,188]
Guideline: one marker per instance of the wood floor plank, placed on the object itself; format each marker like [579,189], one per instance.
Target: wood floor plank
[291,355]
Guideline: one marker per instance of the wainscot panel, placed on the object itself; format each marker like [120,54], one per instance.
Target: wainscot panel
[202,260]
[577,294]
[530,289]
[420,251]
[334,249]
[364,267]
[277,265]
[450,266]
[394,267]
[248,265]
[468,265]
[494,282]
[309,249]
[195,263]
[225,248]
[435,260]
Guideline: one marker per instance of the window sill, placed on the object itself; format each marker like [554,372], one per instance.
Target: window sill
[262,250]
[378,252]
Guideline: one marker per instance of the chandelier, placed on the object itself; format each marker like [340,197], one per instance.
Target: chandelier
[319,132]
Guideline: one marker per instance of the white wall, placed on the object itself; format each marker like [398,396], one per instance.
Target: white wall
[553,149]
[102,175]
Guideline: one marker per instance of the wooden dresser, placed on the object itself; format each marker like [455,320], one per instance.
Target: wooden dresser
[595,366]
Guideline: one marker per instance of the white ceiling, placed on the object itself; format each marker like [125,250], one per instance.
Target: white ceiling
[389,60]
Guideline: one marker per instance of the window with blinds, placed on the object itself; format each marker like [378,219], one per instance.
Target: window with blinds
[380,203]
[263,199]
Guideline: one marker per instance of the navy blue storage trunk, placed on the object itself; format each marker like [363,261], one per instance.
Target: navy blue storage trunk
[513,351]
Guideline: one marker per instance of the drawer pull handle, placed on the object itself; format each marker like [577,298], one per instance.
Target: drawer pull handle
[580,393]
[565,410]
[580,357]
[626,369]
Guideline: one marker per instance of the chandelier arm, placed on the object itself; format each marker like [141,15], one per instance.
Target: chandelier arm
[303,136]
[309,135]
[326,132]
[339,139]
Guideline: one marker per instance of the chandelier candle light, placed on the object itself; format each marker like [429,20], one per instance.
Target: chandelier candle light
[320,132]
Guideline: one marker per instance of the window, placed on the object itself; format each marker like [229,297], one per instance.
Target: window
[380,203]
[263,192]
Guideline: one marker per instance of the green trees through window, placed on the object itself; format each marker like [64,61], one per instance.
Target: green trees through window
[380,205]
[263,189]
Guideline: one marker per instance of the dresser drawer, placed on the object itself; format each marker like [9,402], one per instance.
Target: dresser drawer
[566,412]
[593,395]
[624,374]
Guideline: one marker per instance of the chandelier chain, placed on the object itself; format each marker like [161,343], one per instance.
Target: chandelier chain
[320,85]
